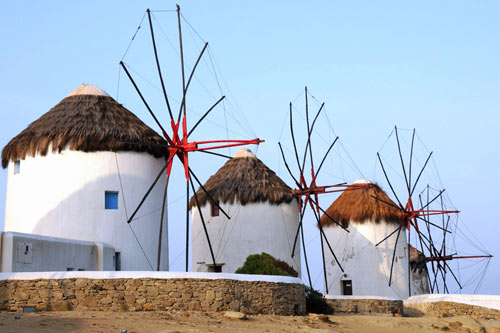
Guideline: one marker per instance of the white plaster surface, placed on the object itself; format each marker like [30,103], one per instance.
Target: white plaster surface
[34,253]
[366,265]
[252,229]
[62,195]
[147,274]
[487,301]
[420,282]
[105,257]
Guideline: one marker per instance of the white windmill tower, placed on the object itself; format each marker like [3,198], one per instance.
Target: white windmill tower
[71,174]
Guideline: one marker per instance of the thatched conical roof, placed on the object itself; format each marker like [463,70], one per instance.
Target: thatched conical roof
[244,179]
[87,120]
[359,205]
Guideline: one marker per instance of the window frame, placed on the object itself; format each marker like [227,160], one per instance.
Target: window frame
[214,209]
[344,285]
[111,207]
[217,268]
[17,167]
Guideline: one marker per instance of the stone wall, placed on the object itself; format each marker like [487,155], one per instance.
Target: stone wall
[449,309]
[367,306]
[144,294]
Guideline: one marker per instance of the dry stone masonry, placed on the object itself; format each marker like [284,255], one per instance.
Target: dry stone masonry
[450,309]
[147,294]
[366,306]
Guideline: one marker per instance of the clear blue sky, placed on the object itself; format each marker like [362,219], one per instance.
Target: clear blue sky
[429,65]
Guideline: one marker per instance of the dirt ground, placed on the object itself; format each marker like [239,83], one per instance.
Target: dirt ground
[170,322]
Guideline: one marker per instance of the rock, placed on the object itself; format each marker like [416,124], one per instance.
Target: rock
[21,296]
[235,315]
[187,295]
[68,292]
[42,283]
[148,283]
[130,299]
[57,294]
[61,306]
[324,318]
[168,303]
[455,325]
[106,300]
[235,305]
[194,305]
[80,283]
[210,295]
[90,302]
[152,291]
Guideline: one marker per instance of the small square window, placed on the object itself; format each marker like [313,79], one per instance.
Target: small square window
[214,208]
[17,167]
[110,200]
[217,268]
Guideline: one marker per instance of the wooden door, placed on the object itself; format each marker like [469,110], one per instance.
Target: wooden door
[347,287]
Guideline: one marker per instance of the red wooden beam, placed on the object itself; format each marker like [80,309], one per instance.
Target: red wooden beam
[180,147]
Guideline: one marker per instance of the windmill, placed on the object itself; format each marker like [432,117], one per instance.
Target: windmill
[308,191]
[177,136]
[419,212]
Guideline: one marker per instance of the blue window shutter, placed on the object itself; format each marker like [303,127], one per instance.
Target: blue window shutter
[110,200]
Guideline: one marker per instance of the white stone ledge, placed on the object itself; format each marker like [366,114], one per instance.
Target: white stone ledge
[487,301]
[360,297]
[146,274]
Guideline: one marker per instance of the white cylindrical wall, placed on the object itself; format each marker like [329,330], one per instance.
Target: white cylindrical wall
[62,195]
[252,229]
[419,282]
[367,266]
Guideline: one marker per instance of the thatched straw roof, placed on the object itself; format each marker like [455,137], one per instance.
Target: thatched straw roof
[244,179]
[87,120]
[358,205]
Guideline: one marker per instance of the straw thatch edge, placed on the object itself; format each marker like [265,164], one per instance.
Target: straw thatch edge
[357,204]
[86,123]
[244,180]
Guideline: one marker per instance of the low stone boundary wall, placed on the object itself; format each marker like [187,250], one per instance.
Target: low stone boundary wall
[151,293]
[365,305]
[450,309]
[478,307]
